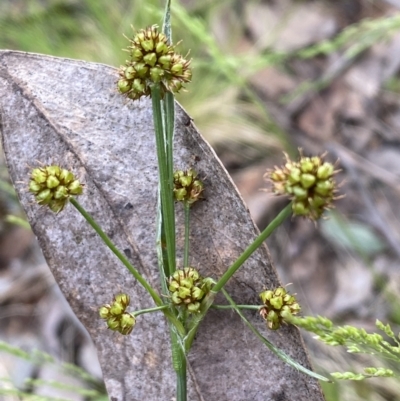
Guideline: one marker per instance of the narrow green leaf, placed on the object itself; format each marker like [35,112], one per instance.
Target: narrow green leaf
[166,181]
[19,221]
[167,21]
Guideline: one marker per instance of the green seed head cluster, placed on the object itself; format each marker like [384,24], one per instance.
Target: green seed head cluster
[116,316]
[152,60]
[187,187]
[309,183]
[53,186]
[368,373]
[277,304]
[188,288]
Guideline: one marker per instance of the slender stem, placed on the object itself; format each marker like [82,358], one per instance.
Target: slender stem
[187,232]
[117,253]
[157,299]
[166,180]
[162,257]
[178,355]
[19,221]
[179,364]
[234,306]
[282,216]
[169,121]
[209,298]
[181,382]
[149,310]
[167,21]
[252,307]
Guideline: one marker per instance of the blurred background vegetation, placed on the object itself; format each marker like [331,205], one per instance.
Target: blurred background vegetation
[269,76]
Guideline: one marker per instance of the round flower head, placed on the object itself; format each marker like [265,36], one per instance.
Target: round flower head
[187,187]
[115,315]
[277,304]
[53,186]
[188,288]
[152,61]
[309,183]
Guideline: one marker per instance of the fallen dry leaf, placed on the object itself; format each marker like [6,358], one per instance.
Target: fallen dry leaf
[66,111]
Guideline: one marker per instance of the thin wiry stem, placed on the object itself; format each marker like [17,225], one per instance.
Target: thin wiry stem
[187,233]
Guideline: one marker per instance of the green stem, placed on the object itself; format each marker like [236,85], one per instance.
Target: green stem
[282,216]
[181,381]
[179,364]
[158,301]
[166,181]
[252,307]
[162,257]
[169,121]
[167,21]
[19,221]
[149,310]
[209,298]
[187,233]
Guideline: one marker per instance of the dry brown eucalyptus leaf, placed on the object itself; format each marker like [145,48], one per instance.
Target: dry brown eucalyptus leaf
[67,111]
